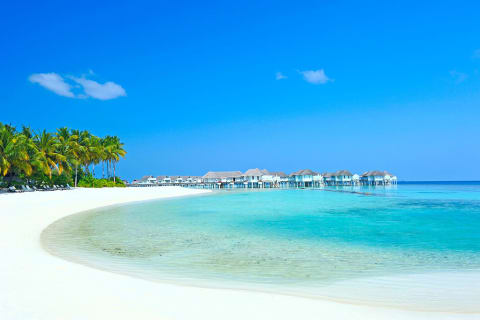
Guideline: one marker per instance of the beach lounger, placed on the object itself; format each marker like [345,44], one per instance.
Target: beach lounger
[13,189]
[26,189]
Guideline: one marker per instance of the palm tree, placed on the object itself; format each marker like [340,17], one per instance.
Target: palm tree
[14,155]
[47,156]
[69,147]
[104,143]
[85,154]
[97,152]
[27,153]
[27,132]
[117,152]
[108,154]
[77,151]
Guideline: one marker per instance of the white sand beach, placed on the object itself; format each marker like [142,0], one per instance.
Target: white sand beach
[36,285]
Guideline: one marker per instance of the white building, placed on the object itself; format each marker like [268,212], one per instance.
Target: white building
[343,178]
[376,177]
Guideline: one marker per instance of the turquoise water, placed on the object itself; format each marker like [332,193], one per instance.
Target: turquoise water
[317,243]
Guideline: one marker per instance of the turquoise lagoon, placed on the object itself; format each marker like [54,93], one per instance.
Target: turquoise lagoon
[411,246]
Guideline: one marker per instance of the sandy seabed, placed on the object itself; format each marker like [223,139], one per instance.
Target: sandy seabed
[37,285]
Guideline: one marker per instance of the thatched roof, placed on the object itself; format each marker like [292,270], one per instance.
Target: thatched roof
[304,172]
[222,174]
[278,173]
[376,173]
[343,173]
[255,172]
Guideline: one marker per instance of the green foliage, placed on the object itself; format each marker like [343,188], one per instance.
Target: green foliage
[89,181]
[58,158]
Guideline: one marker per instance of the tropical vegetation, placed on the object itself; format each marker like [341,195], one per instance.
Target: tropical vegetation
[62,157]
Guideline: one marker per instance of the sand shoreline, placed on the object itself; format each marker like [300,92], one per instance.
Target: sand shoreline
[37,285]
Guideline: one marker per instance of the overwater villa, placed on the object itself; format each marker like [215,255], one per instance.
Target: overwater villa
[262,178]
[375,178]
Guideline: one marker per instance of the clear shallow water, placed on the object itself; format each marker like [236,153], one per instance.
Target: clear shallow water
[410,246]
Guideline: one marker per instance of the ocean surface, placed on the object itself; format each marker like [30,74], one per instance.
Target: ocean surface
[414,246]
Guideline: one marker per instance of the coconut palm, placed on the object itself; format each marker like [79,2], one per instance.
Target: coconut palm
[77,151]
[96,150]
[47,157]
[14,152]
[117,152]
[86,152]
[69,147]
[27,153]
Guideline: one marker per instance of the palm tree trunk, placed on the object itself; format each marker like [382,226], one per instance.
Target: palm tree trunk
[76,172]
[103,169]
[113,171]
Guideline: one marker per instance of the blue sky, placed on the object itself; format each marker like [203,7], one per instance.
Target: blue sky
[192,86]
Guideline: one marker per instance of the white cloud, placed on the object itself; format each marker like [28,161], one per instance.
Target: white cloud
[108,90]
[280,76]
[315,76]
[81,88]
[458,77]
[52,82]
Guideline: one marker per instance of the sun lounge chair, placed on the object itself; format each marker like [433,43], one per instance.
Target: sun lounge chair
[13,189]
[26,188]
